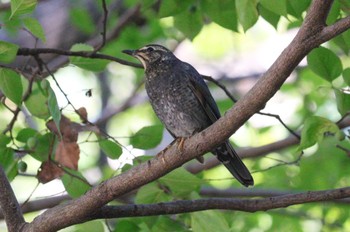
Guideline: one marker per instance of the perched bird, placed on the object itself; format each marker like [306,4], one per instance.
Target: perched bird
[182,101]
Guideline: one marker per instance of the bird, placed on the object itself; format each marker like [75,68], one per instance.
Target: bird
[182,101]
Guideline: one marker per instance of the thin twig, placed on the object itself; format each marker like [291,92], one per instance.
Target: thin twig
[18,109]
[223,87]
[296,135]
[76,111]
[104,26]
[92,55]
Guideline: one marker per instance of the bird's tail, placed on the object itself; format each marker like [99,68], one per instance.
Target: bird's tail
[227,155]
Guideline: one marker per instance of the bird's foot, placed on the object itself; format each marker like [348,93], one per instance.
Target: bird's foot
[180,143]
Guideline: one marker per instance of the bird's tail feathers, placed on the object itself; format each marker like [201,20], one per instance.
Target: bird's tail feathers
[227,155]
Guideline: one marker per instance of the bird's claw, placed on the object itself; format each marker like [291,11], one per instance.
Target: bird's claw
[180,143]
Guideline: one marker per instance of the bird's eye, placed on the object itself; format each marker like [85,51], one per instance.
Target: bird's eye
[150,49]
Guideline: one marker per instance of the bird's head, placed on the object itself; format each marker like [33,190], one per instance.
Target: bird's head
[150,54]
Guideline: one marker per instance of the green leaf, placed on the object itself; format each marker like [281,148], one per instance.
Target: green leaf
[20,7]
[334,13]
[36,103]
[4,140]
[329,159]
[8,52]
[247,13]
[181,182]
[126,225]
[217,222]
[75,183]
[325,63]
[95,65]
[343,41]
[314,131]
[81,18]
[278,7]
[43,147]
[346,76]
[35,28]
[11,85]
[25,133]
[269,16]
[8,162]
[148,137]
[223,14]
[151,193]
[110,148]
[296,8]
[189,22]
[173,7]
[345,6]
[53,108]
[343,101]
[165,223]
[90,226]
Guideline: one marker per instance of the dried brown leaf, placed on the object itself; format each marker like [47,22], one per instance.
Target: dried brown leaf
[48,171]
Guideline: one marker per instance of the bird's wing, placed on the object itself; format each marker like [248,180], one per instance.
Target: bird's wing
[201,91]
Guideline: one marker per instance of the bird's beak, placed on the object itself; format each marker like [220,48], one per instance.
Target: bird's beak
[137,54]
[130,52]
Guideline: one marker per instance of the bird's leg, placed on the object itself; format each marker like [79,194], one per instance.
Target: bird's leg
[180,143]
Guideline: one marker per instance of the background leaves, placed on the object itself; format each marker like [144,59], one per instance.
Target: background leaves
[118,129]
[147,137]
[8,51]
[20,7]
[11,85]
[325,63]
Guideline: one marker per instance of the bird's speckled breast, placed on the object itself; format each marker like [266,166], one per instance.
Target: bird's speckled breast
[174,102]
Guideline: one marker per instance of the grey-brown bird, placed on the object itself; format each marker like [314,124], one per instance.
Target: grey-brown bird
[182,101]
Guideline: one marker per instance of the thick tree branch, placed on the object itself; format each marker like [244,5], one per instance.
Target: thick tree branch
[245,205]
[9,205]
[41,204]
[256,192]
[337,28]
[78,210]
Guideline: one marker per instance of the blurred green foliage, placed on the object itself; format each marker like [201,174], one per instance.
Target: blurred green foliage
[319,90]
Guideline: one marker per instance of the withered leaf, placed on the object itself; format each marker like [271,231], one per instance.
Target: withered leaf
[48,171]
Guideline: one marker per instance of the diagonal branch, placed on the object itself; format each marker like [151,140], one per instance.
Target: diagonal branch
[337,28]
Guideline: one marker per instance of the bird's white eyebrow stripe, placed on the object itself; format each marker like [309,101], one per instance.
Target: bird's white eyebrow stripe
[143,48]
[155,47]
